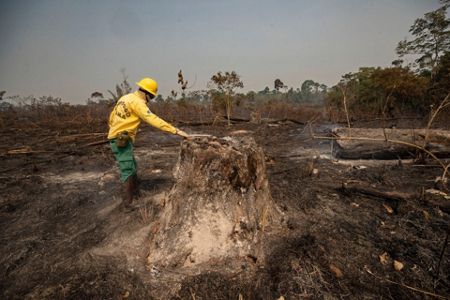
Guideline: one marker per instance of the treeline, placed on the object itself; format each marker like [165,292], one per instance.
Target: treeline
[309,92]
[414,87]
[417,81]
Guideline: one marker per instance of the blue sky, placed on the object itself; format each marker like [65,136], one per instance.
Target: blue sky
[70,49]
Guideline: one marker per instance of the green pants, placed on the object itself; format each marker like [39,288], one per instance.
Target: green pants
[125,159]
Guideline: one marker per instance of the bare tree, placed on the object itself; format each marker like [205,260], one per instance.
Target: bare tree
[122,88]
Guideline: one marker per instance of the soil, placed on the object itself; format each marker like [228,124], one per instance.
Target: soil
[64,237]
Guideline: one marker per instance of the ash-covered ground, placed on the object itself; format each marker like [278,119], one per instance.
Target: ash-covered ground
[64,237]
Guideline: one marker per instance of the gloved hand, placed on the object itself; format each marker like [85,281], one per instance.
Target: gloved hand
[183,134]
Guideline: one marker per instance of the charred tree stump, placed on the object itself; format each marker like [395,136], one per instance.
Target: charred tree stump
[219,206]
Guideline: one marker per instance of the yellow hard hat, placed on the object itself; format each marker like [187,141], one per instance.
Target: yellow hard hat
[148,85]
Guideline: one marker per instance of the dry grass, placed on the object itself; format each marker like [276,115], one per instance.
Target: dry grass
[287,110]
[93,117]
[145,214]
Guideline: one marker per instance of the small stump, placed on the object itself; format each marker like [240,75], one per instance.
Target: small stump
[219,206]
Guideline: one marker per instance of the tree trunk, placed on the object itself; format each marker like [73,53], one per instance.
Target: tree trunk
[369,143]
[218,208]
[228,108]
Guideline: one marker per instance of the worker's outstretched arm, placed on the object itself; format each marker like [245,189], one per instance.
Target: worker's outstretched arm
[146,115]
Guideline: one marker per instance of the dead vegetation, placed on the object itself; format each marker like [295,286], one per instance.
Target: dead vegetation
[300,193]
[339,217]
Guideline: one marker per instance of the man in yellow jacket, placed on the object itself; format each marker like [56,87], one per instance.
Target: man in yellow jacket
[124,121]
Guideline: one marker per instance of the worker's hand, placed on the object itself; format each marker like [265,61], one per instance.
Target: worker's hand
[183,134]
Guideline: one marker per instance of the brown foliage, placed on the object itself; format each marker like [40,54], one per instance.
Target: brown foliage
[378,92]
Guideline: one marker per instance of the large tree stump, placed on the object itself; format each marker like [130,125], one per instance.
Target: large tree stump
[219,206]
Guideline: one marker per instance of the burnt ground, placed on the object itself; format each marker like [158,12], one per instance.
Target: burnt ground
[64,237]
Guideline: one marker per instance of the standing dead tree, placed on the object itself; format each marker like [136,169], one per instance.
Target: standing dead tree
[434,113]
[122,88]
[183,85]
[345,99]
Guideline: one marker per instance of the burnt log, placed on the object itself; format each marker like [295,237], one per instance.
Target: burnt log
[219,208]
[376,143]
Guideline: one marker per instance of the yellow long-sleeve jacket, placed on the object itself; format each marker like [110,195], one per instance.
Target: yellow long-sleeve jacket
[128,113]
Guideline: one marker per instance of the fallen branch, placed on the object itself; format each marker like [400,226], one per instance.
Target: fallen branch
[168,145]
[24,150]
[209,123]
[442,204]
[358,121]
[30,151]
[348,187]
[405,286]
[438,144]
[287,120]
[41,141]
[446,172]
[237,119]
[426,166]
[82,134]
[283,171]
[96,143]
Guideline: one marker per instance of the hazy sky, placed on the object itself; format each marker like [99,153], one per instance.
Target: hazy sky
[70,48]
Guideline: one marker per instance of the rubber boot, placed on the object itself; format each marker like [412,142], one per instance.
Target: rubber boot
[136,187]
[128,194]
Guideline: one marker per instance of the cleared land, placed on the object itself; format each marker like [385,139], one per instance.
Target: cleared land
[64,237]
